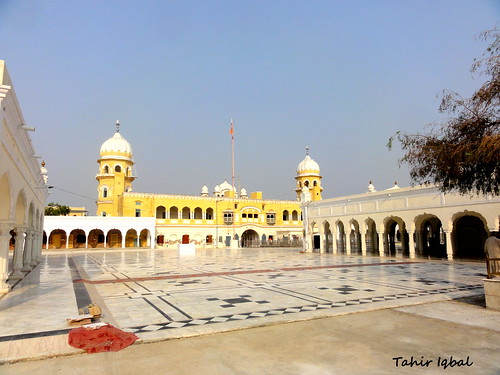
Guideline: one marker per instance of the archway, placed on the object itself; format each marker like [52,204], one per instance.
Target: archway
[340,237]
[430,238]
[77,239]
[96,238]
[250,238]
[371,237]
[328,237]
[397,241]
[469,236]
[57,239]
[354,237]
[144,238]
[161,212]
[131,238]
[114,238]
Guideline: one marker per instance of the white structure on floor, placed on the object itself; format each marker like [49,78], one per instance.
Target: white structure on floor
[23,188]
[411,221]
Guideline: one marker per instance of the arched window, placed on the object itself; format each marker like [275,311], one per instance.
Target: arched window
[106,169]
[105,192]
[186,213]
[315,183]
[104,213]
[118,168]
[210,214]
[174,212]
[160,212]
[286,215]
[198,213]
[306,183]
[295,215]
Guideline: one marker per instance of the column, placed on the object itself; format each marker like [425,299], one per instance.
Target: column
[411,243]
[334,238]
[348,240]
[28,246]
[17,260]
[4,257]
[449,246]
[363,243]
[39,246]
[381,241]
[321,238]
[34,249]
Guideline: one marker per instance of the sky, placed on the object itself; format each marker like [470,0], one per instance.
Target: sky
[338,76]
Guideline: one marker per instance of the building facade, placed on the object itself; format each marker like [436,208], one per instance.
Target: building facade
[23,189]
[413,221]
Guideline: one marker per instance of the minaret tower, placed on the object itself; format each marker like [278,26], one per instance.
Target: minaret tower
[115,174]
[308,175]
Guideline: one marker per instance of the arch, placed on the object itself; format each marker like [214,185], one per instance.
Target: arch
[371,237]
[340,237]
[114,238]
[144,237]
[198,213]
[57,239]
[328,237]
[96,238]
[104,192]
[77,239]
[315,237]
[4,197]
[468,236]
[131,238]
[106,169]
[295,215]
[210,213]
[20,208]
[429,236]
[186,213]
[161,212]
[396,237]
[174,212]
[354,237]
[44,240]
[118,168]
[250,238]
[286,215]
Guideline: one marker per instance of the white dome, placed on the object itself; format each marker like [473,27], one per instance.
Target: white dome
[225,186]
[243,192]
[117,144]
[308,165]
[217,189]
[204,189]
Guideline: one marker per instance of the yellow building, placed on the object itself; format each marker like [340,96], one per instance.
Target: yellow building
[205,220]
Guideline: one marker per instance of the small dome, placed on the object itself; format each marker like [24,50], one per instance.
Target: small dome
[217,189]
[225,186]
[395,186]
[243,191]
[117,144]
[308,166]
[204,189]
[44,173]
[371,188]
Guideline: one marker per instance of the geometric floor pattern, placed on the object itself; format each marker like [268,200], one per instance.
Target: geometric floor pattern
[160,293]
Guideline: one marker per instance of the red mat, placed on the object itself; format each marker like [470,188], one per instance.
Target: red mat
[103,339]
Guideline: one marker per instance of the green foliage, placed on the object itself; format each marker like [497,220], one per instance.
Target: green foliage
[463,153]
[56,209]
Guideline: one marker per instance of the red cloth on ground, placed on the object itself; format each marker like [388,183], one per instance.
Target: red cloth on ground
[104,339]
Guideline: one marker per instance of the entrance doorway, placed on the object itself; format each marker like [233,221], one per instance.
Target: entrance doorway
[250,238]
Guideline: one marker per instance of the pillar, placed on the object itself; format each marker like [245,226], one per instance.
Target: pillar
[381,234]
[28,247]
[363,243]
[334,238]
[411,243]
[321,232]
[449,245]
[348,240]
[17,260]
[4,256]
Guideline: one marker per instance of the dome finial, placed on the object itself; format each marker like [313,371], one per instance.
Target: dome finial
[307,150]
[117,126]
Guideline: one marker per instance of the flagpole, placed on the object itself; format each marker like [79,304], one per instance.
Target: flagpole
[232,165]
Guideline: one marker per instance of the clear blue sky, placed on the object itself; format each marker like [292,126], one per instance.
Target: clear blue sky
[338,76]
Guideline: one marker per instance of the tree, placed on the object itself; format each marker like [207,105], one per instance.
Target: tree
[56,209]
[463,153]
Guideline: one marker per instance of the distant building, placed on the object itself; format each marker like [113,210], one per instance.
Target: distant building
[23,189]
[225,217]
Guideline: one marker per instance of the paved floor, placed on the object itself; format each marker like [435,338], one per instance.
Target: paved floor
[160,295]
